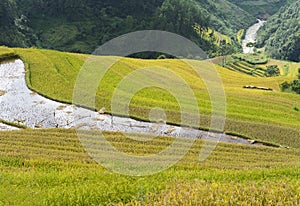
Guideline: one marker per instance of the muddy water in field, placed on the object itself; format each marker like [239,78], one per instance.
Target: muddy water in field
[21,105]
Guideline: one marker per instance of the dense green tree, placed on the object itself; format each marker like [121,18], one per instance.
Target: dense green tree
[285,85]
[262,9]
[272,71]
[12,25]
[82,25]
[293,86]
[296,86]
[281,34]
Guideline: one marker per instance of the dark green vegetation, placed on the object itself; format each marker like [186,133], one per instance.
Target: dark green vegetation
[53,74]
[50,167]
[261,8]
[81,26]
[10,33]
[272,71]
[281,34]
[293,86]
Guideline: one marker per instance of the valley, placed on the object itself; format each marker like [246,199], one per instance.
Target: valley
[217,128]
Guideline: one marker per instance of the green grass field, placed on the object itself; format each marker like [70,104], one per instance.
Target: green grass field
[50,167]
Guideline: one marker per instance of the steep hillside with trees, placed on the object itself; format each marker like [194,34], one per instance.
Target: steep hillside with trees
[261,8]
[12,34]
[80,26]
[281,34]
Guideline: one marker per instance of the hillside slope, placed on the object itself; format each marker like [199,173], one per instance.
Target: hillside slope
[10,33]
[50,167]
[262,115]
[260,8]
[281,34]
[81,26]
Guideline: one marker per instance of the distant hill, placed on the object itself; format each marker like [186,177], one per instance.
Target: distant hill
[281,34]
[261,8]
[10,33]
[82,25]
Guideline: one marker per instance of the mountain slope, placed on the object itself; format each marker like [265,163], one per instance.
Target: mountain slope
[281,34]
[51,167]
[260,8]
[11,34]
[261,115]
[226,17]
[81,26]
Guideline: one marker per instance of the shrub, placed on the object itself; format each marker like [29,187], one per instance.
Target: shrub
[296,86]
[293,86]
[272,71]
[285,85]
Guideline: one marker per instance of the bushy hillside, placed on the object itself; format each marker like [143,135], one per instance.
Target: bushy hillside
[81,26]
[261,8]
[281,34]
[226,17]
[11,34]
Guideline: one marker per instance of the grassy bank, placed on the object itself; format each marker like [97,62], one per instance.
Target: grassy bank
[13,124]
[265,115]
[50,167]
[7,53]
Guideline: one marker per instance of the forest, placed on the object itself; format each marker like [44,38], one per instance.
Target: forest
[82,26]
[281,36]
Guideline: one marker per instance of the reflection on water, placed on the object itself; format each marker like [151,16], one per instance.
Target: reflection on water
[21,105]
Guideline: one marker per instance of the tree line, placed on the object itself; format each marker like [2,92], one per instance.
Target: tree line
[82,25]
[280,35]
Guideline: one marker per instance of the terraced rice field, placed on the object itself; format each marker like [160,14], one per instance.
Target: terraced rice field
[6,52]
[50,167]
[256,65]
[246,68]
[262,115]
